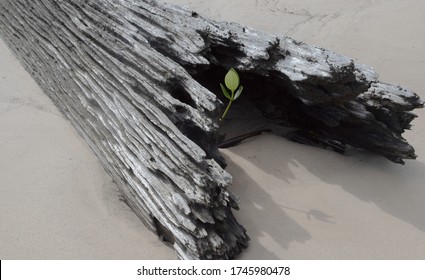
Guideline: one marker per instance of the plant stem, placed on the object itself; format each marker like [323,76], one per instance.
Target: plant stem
[227,110]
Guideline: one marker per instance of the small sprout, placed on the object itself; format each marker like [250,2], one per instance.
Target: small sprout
[232,90]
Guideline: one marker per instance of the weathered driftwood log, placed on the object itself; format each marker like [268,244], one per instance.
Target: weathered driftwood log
[136,78]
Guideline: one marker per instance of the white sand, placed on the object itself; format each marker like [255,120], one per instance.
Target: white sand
[297,202]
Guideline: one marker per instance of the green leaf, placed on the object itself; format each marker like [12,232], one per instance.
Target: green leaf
[232,80]
[238,93]
[225,92]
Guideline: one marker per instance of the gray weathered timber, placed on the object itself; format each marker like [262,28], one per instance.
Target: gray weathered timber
[136,79]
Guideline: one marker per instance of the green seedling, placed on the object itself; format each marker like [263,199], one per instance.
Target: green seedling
[232,90]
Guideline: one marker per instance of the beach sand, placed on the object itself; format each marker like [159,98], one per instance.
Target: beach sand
[297,202]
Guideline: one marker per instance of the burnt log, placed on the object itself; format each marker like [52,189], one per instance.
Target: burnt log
[138,80]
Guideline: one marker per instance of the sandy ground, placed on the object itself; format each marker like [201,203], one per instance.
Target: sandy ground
[297,202]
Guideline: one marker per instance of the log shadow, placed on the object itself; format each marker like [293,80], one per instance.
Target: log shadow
[270,228]
[397,190]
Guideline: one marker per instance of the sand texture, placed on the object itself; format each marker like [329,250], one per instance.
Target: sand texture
[297,202]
